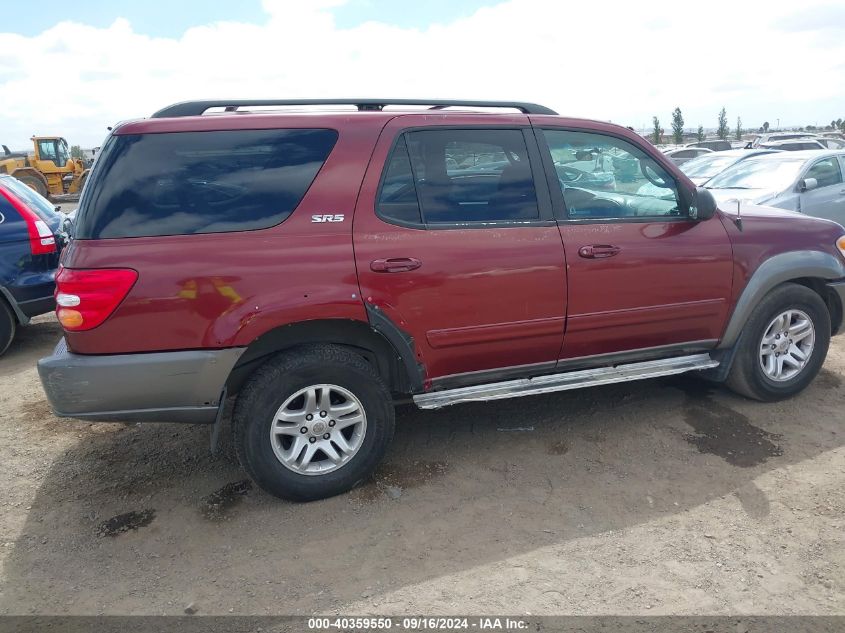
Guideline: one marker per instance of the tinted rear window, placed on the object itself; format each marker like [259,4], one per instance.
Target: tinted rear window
[200,182]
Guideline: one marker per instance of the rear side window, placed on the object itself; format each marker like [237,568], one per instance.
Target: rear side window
[450,176]
[200,182]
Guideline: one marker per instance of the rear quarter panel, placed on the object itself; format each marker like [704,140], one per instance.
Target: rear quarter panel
[225,289]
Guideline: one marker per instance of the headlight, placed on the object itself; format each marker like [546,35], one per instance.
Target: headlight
[840,244]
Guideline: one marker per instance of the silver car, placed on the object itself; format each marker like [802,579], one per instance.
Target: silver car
[682,154]
[705,167]
[808,181]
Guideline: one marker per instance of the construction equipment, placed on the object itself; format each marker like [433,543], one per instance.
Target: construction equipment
[48,169]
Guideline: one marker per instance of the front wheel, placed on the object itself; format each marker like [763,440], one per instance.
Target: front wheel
[313,423]
[783,345]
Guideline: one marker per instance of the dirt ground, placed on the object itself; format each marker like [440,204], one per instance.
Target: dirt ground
[658,497]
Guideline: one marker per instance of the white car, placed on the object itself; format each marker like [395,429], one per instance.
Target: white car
[808,181]
[683,154]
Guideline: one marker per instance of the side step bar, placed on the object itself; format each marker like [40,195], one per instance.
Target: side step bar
[566,380]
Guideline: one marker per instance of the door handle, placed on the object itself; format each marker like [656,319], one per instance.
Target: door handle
[395,265]
[598,251]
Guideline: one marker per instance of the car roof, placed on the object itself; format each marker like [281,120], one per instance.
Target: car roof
[786,141]
[805,154]
[735,152]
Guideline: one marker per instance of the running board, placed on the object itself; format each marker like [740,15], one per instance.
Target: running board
[564,381]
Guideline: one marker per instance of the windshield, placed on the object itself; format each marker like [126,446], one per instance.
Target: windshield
[759,174]
[707,165]
[34,201]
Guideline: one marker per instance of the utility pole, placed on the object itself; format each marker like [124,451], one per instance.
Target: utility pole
[778,125]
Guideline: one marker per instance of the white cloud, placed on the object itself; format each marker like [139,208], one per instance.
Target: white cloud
[621,61]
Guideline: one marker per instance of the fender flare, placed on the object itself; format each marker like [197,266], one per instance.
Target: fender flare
[773,272]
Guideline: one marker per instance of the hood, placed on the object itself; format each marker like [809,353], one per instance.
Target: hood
[748,209]
[752,196]
[700,180]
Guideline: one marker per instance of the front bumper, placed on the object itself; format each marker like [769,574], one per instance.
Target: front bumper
[152,387]
[838,287]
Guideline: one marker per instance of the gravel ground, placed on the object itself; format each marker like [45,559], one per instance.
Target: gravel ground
[658,497]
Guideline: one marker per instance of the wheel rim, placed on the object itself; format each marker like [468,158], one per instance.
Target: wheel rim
[318,429]
[787,345]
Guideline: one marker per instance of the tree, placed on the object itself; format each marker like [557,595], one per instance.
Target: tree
[678,126]
[655,134]
[700,133]
[723,130]
[765,126]
[738,129]
[76,151]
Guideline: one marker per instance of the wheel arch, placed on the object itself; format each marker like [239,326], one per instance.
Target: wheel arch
[7,298]
[394,362]
[813,269]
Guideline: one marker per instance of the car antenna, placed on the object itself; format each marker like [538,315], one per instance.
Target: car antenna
[738,220]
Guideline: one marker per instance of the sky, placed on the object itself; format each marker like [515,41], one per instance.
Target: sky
[73,69]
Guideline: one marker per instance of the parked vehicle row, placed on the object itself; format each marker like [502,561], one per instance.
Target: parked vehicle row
[799,174]
[491,256]
[31,237]
[809,182]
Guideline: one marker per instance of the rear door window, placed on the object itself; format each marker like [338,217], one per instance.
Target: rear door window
[459,176]
[200,182]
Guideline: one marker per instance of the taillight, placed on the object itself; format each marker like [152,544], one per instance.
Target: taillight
[41,239]
[87,297]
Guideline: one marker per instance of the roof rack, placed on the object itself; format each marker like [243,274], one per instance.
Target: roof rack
[196,108]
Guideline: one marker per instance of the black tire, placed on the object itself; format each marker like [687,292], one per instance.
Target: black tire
[8,325]
[747,377]
[277,380]
[35,184]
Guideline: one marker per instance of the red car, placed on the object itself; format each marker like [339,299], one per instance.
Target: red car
[320,265]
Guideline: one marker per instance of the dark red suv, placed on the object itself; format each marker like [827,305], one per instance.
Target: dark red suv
[322,264]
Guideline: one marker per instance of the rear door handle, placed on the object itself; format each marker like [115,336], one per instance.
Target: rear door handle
[395,265]
[598,251]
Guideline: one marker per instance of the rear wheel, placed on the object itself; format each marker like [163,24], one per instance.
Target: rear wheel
[8,325]
[312,423]
[783,345]
[34,183]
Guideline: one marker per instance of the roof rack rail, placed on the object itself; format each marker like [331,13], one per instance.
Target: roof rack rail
[196,108]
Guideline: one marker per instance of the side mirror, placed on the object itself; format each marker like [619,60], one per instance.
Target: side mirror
[703,205]
[807,184]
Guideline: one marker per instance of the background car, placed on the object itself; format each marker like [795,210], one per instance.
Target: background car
[806,181]
[682,155]
[703,168]
[831,143]
[794,145]
[31,237]
[778,136]
[716,145]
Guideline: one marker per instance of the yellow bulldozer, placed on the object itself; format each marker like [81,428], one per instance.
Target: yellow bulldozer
[49,168]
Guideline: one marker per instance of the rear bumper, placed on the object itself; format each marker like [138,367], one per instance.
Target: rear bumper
[838,287]
[153,387]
